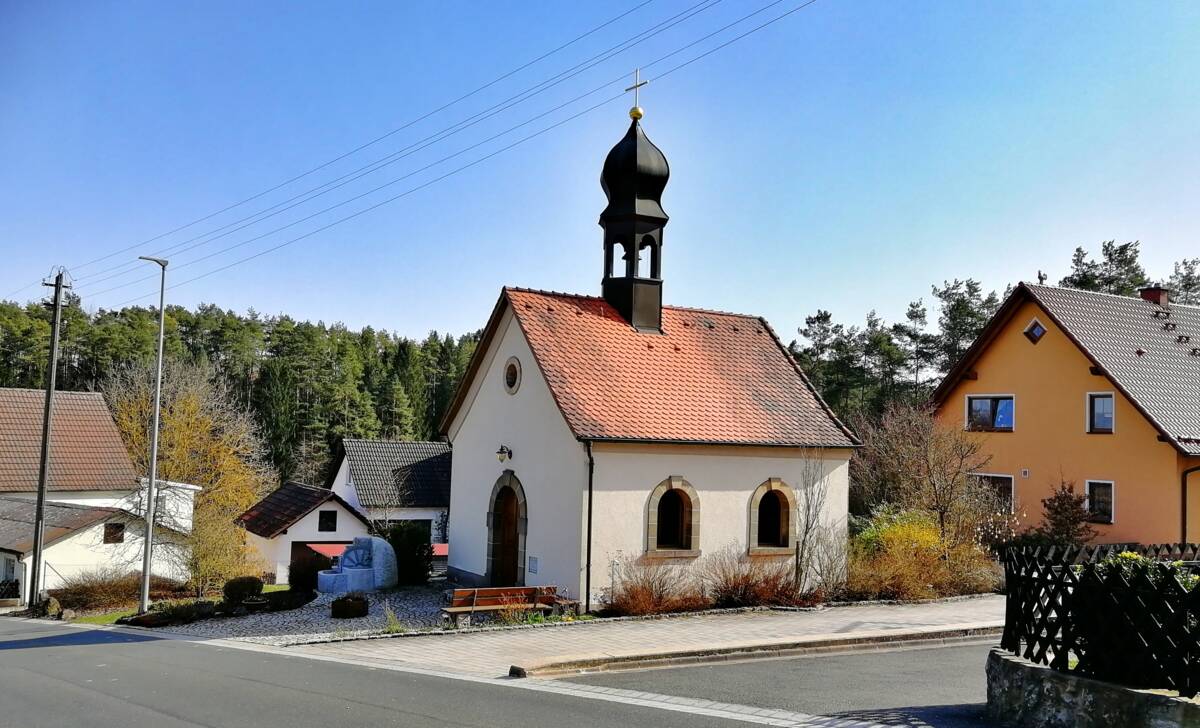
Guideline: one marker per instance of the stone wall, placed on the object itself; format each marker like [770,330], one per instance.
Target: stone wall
[1021,693]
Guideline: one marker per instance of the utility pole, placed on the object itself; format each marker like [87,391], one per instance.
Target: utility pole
[39,518]
[147,560]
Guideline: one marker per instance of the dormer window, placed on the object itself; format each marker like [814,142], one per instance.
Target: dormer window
[991,413]
[1035,331]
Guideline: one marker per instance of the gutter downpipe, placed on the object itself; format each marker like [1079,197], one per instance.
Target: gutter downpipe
[587,579]
[1183,502]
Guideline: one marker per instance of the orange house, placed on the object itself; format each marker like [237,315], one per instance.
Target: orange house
[1097,389]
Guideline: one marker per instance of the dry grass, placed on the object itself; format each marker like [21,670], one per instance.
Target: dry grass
[654,587]
[733,580]
[724,579]
[105,589]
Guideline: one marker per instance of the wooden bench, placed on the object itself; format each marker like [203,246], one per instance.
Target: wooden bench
[465,602]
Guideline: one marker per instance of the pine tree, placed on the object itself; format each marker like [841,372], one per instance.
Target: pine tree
[1119,270]
[965,310]
[1185,281]
[399,423]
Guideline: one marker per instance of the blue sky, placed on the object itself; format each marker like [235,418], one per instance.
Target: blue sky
[844,158]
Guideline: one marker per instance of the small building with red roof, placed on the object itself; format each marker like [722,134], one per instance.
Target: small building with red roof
[595,432]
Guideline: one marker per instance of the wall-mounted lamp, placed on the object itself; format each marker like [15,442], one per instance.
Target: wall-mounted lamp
[504,453]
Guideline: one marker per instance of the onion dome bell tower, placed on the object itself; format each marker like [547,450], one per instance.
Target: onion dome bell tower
[635,174]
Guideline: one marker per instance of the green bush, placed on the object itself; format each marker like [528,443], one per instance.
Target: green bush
[184,611]
[239,588]
[901,555]
[414,553]
[302,572]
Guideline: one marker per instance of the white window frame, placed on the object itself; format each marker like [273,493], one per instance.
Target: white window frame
[7,562]
[1087,413]
[1029,327]
[981,395]
[1087,501]
[1012,488]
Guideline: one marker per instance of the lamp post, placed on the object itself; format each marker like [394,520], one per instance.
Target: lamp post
[144,598]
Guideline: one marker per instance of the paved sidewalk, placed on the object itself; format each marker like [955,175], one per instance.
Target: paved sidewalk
[490,654]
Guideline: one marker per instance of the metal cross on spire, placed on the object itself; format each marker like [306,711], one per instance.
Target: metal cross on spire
[636,112]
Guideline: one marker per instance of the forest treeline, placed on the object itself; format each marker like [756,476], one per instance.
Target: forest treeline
[307,384]
[859,369]
[310,384]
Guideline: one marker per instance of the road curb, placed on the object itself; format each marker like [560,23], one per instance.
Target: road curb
[861,641]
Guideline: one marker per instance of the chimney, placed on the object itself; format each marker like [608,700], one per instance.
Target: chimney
[1156,294]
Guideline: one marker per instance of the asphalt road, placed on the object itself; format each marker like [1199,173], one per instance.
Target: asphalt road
[52,676]
[937,688]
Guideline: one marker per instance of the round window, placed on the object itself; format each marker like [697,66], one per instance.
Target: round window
[512,375]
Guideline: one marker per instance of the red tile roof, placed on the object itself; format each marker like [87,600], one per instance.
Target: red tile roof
[285,505]
[86,452]
[710,377]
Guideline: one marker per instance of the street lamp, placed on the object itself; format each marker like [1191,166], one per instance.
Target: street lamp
[504,453]
[144,598]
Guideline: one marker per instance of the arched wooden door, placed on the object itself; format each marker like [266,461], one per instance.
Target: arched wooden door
[506,556]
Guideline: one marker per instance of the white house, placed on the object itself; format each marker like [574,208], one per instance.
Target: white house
[78,539]
[593,430]
[391,480]
[295,519]
[90,468]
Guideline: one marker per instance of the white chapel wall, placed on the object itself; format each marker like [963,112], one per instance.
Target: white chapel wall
[724,478]
[550,463]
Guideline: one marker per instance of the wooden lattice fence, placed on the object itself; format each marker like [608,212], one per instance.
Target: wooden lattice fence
[1137,626]
[9,589]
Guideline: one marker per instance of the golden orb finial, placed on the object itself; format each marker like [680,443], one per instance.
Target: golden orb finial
[636,113]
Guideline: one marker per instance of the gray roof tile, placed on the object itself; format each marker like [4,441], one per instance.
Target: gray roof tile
[399,474]
[1164,380]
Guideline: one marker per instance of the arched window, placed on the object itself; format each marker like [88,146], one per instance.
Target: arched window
[674,516]
[673,519]
[772,519]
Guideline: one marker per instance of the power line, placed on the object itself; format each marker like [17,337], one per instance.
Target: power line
[312,193]
[446,158]
[486,157]
[380,138]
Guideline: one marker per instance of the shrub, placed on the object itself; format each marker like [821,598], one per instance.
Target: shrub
[901,555]
[652,587]
[302,572]
[414,553]
[240,588]
[281,601]
[183,611]
[733,580]
[111,588]
[1065,521]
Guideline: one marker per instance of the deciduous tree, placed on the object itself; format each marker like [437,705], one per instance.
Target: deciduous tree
[206,439]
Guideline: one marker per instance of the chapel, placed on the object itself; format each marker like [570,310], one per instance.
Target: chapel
[592,433]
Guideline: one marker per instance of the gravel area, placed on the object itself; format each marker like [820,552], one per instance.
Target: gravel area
[417,608]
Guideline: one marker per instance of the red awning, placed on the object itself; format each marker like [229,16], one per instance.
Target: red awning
[328,549]
[441,549]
